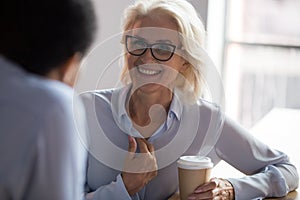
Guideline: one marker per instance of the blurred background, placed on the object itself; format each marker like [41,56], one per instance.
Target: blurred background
[255,45]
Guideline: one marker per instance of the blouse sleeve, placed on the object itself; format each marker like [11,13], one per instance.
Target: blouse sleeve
[114,191]
[269,172]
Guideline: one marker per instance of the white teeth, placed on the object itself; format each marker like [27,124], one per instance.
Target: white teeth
[148,71]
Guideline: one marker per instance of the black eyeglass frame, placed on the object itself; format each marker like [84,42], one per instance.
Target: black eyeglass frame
[149,46]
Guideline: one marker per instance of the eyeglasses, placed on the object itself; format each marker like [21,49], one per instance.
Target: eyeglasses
[160,51]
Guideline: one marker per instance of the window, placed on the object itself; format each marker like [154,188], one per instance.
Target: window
[261,57]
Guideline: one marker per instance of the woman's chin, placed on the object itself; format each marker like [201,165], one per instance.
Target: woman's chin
[150,88]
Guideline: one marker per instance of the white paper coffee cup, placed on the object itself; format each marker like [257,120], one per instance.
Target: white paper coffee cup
[193,171]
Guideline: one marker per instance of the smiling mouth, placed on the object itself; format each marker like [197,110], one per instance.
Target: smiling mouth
[149,72]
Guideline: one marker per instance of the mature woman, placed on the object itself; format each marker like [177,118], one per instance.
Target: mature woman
[158,116]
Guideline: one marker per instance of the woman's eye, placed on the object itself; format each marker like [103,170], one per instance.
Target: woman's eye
[163,48]
[138,44]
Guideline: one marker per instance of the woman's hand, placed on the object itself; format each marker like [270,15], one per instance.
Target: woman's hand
[215,189]
[139,168]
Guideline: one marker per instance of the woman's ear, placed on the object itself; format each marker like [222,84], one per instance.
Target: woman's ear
[70,69]
[185,66]
[67,71]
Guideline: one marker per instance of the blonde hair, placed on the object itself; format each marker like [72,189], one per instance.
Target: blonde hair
[192,34]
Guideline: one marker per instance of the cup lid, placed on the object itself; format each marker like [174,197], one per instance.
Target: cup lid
[194,162]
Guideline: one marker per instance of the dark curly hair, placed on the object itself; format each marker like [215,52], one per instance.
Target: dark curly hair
[40,35]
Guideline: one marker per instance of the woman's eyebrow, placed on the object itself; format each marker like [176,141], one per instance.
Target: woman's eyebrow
[168,41]
[139,37]
[157,41]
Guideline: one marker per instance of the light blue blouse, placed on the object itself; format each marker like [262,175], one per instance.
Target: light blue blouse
[41,156]
[200,128]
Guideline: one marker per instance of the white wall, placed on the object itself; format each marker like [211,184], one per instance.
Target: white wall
[109,14]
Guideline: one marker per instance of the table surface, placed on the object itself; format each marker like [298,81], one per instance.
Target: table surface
[281,125]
